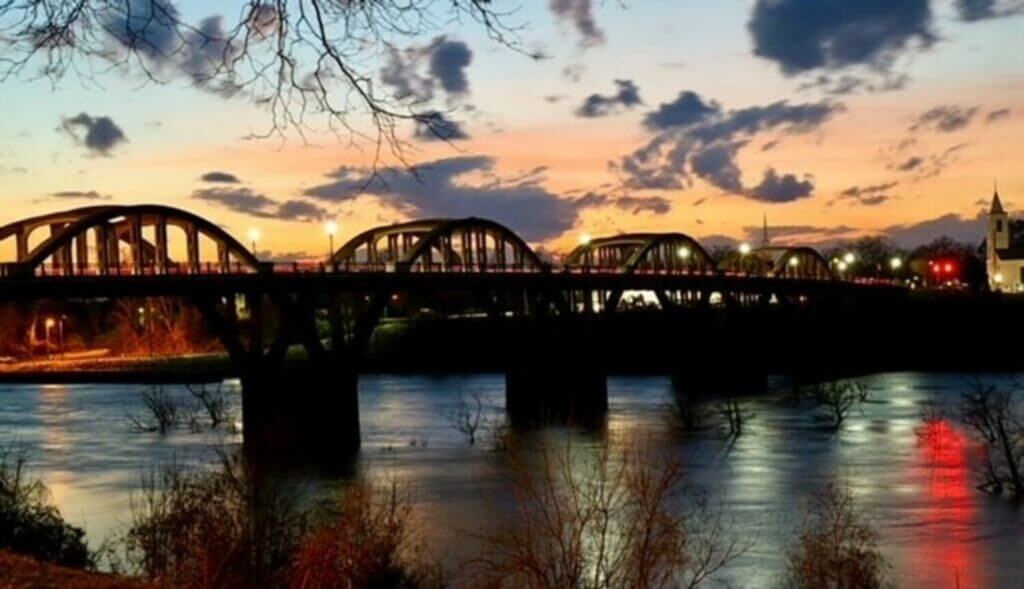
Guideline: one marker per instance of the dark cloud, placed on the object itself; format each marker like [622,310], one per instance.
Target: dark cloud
[80,195]
[695,137]
[636,205]
[686,110]
[975,10]
[148,27]
[461,187]
[444,61]
[803,35]
[439,128]
[929,166]
[448,63]
[580,13]
[654,205]
[845,84]
[871,195]
[101,134]
[785,188]
[998,115]
[244,200]
[950,225]
[598,105]
[944,119]
[206,52]
[220,178]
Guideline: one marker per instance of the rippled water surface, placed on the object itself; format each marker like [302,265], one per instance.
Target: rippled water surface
[937,530]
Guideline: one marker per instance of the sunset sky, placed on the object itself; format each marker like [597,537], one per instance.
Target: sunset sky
[833,118]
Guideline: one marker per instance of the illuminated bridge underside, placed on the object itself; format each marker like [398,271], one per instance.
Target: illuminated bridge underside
[113,240]
[439,245]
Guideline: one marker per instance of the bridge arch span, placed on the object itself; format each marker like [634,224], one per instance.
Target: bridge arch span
[446,245]
[643,252]
[788,262]
[68,245]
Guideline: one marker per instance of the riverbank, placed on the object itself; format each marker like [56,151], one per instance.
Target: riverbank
[187,368]
[22,572]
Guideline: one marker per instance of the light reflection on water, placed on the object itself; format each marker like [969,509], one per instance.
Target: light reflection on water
[937,530]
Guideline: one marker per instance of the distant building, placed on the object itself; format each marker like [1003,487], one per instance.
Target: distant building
[1004,260]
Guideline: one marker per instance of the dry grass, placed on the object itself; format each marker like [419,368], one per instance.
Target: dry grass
[22,572]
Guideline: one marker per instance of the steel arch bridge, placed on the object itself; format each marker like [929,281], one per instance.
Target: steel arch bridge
[439,245]
[76,235]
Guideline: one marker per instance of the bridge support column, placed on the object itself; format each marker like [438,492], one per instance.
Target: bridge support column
[556,376]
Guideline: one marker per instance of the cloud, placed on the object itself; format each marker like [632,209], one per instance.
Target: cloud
[149,27]
[580,13]
[654,205]
[950,225]
[944,119]
[461,187]
[448,63]
[101,134]
[846,84]
[798,234]
[417,72]
[871,195]
[598,105]
[694,137]
[775,188]
[687,109]
[998,115]
[929,166]
[244,200]
[80,195]
[975,10]
[804,35]
[220,178]
[439,128]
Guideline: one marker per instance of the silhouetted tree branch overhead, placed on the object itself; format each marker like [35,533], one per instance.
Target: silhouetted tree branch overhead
[297,58]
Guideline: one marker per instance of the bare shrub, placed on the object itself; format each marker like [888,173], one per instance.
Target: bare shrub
[836,546]
[222,527]
[733,415]
[368,541]
[691,412]
[995,416]
[596,520]
[835,400]
[29,523]
[162,411]
[212,402]
[468,414]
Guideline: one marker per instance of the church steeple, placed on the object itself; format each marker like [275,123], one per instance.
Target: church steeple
[997,205]
[764,233]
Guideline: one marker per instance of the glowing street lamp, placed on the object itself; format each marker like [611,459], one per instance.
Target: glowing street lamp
[849,258]
[998,278]
[683,253]
[254,236]
[744,249]
[585,239]
[50,322]
[896,263]
[842,266]
[794,261]
[332,229]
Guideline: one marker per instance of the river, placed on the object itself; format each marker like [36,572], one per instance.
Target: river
[936,529]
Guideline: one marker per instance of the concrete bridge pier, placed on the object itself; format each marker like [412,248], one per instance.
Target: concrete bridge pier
[556,375]
[310,414]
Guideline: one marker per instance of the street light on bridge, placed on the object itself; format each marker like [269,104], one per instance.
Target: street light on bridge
[744,249]
[332,229]
[684,253]
[585,239]
[896,263]
[254,236]
[849,258]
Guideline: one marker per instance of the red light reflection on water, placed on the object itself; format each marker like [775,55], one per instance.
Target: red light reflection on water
[948,512]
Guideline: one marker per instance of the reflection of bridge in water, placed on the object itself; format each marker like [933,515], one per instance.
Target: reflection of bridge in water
[453,267]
